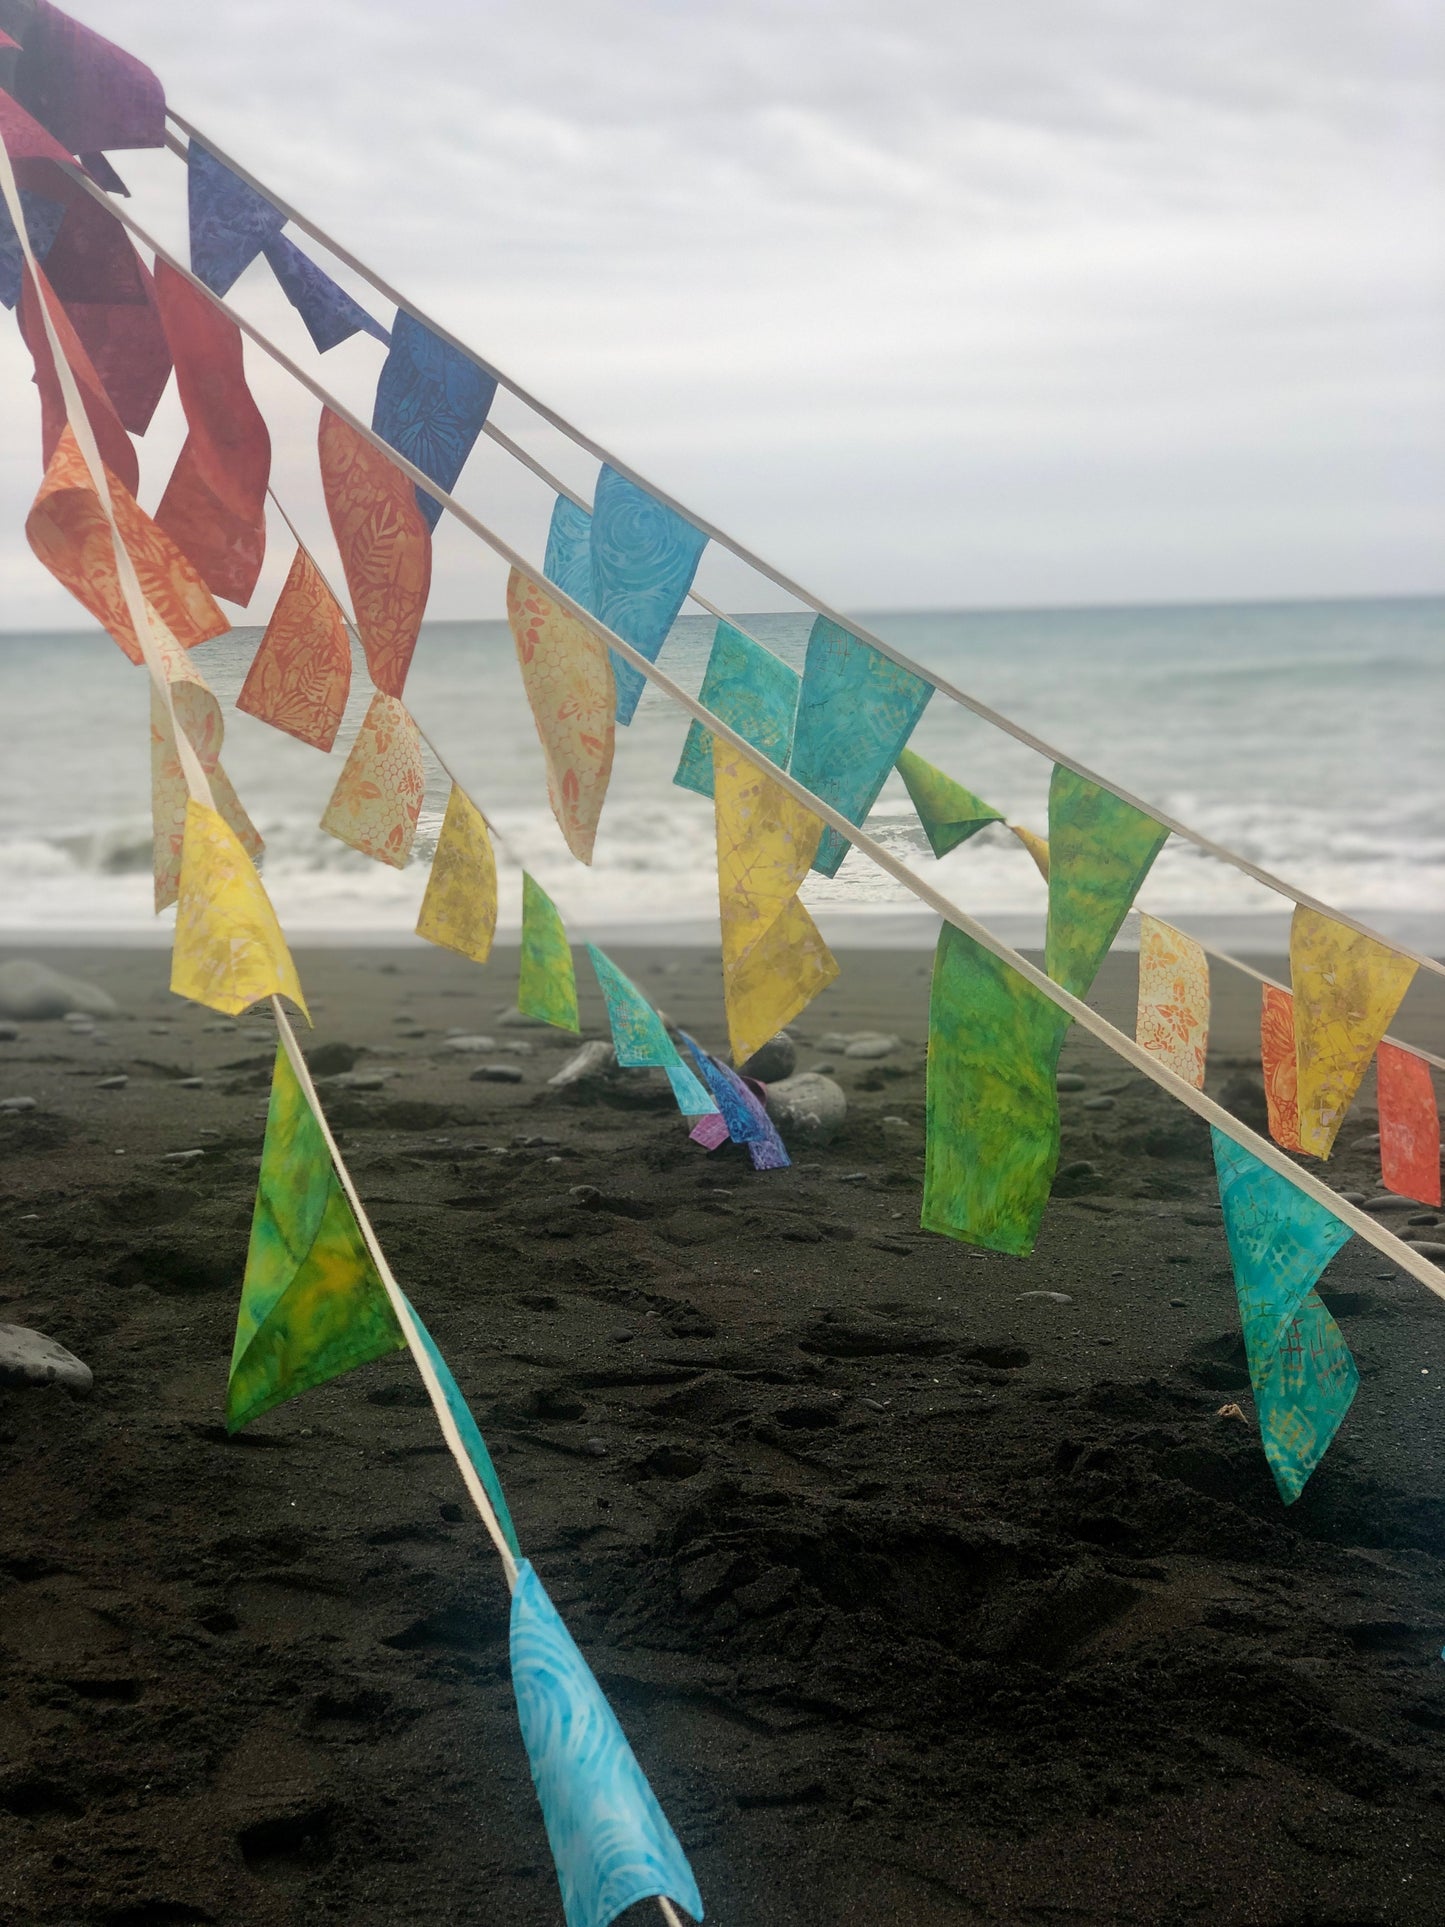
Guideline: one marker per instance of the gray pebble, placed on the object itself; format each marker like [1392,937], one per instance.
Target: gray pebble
[181,1157]
[868,1047]
[596,1448]
[776,1059]
[18,1104]
[1069,1081]
[1388,1201]
[30,1358]
[826,1069]
[1425,1217]
[517,1046]
[510,1018]
[9,1033]
[1435,1252]
[497,1074]
[809,1108]
[1370,1142]
[1053,1297]
[465,1041]
[31,990]
[189,1083]
[1098,1104]
[357,1080]
[592,1060]
[1353,1197]
[113,1083]
[328,1060]
[81,1020]
[1179,1304]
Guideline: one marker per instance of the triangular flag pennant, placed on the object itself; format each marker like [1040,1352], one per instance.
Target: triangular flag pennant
[330,314]
[459,910]
[42,224]
[640,1038]
[949,813]
[1173,1020]
[568,562]
[1346,987]
[644,557]
[1409,1125]
[610,1839]
[230,221]
[568,680]
[1279,1067]
[993,1109]
[744,1115]
[1036,845]
[1100,850]
[547,982]
[750,689]
[431,404]
[311,1305]
[385,548]
[856,710]
[300,676]
[199,715]
[229,951]
[379,793]
[473,1443]
[774,958]
[1299,1364]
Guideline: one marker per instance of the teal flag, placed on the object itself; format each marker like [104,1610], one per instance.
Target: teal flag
[568,561]
[750,689]
[640,1037]
[1100,850]
[643,558]
[468,1431]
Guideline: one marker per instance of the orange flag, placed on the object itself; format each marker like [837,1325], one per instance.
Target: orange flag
[1173,1020]
[1409,1125]
[378,795]
[568,680]
[385,548]
[300,676]
[1277,1061]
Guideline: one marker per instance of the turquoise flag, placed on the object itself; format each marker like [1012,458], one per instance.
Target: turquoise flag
[753,691]
[644,557]
[568,561]
[640,1038]
[472,1440]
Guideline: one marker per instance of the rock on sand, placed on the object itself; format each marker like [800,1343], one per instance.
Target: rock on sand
[808,1108]
[33,990]
[30,1358]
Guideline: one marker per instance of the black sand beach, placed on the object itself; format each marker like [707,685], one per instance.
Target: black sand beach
[922,1599]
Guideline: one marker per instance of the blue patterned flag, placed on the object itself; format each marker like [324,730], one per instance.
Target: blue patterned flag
[1303,1376]
[431,403]
[230,221]
[742,1111]
[330,314]
[644,557]
[753,691]
[42,224]
[856,711]
[609,1837]
[472,1440]
[568,562]
[640,1038]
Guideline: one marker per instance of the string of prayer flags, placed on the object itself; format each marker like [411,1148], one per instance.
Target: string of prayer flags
[1100,850]
[856,710]
[230,222]
[431,404]
[459,910]
[473,1444]
[385,547]
[568,561]
[1036,845]
[644,557]
[214,506]
[1303,1376]
[743,1115]
[568,679]
[90,93]
[300,676]
[750,689]
[199,714]
[774,958]
[1409,1125]
[1347,987]
[229,951]
[640,1038]
[379,793]
[328,311]
[949,813]
[547,980]
[42,224]
[312,1305]
[1279,1066]
[610,1839]
[68,530]
[992,1106]
[117,450]
[1173,1020]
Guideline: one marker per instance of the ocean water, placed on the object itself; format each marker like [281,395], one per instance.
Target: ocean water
[1305,735]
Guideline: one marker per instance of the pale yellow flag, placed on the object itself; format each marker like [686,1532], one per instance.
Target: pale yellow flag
[568,679]
[1036,845]
[229,949]
[774,959]
[1346,987]
[199,715]
[378,795]
[459,910]
[1173,1021]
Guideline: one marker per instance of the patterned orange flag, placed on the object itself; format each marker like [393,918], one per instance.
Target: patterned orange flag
[68,530]
[1173,1021]
[300,676]
[378,795]
[1277,1062]
[199,715]
[229,951]
[568,680]
[1347,987]
[1409,1125]
[385,548]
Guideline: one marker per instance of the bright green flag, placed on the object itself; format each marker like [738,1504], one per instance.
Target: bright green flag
[547,985]
[312,1305]
[993,1112]
[949,813]
[1100,850]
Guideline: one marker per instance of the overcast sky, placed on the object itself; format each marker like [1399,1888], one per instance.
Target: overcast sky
[935,302]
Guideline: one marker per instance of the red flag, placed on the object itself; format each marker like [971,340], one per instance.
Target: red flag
[1409,1125]
[117,450]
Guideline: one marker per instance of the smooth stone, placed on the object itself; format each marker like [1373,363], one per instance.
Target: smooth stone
[1428,1249]
[1425,1217]
[518,1047]
[189,1083]
[79,1020]
[180,1157]
[113,1083]
[596,1448]
[808,1108]
[497,1074]
[826,1069]
[1053,1297]
[1179,1304]
[465,1041]
[1069,1081]
[30,1358]
[775,1060]
[872,1047]
[357,1080]
[329,1060]
[1388,1201]
[839,1039]
[1098,1104]
[33,990]
[18,1104]
[9,1033]
[513,1019]
[1370,1142]
[592,1060]
[1353,1197]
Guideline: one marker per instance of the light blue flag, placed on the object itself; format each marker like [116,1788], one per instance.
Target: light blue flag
[476,1445]
[1303,1376]
[751,689]
[568,561]
[856,711]
[644,557]
[640,1038]
[609,1837]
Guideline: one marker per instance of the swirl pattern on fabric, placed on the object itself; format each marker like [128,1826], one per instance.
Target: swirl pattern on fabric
[547,980]
[644,557]
[1347,987]
[229,951]
[744,1116]
[473,1443]
[568,561]
[431,404]
[230,222]
[640,1039]
[385,548]
[1100,850]
[378,795]
[1173,1019]
[1409,1125]
[610,1839]
[1279,1067]
[569,687]
[300,676]
[459,910]
[949,813]
[330,314]
[750,689]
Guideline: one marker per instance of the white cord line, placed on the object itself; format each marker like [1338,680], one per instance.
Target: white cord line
[776,576]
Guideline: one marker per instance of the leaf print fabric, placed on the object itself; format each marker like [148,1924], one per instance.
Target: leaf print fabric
[459,910]
[385,548]
[330,314]
[568,681]
[431,403]
[300,676]
[1409,1125]
[1279,1067]
[229,951]
[230,222]
[378,795]
[1347,987]
[1173,1020]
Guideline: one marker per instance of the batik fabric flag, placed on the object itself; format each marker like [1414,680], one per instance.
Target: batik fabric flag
[330,314]
[547,981]
[1036,845]
[568,680]
[23,136]
[774,958]
[300,676]
[230,221]
[1278,1066]
[568,561]
[198,714]
[92,259]
[610,1839]
[459,910]
[379,793]
[229,951]
[385,548]
[1347,987]
[744,1116]
[42,223]
[993,1109]
[1299,1364]
[431,404]
[1100,850]
[948,812]
[117,451]
[127,346]
[473,1444]
[90,93]
[640,1038]
[752,691]
[1173,1019]
[856,710]
[1409,1125]
[644,556]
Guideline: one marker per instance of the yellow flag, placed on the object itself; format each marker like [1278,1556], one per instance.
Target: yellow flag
[459,910]
[1036,845]
[229,949]
[1347,987]
[568,679]
[199,715]
[774,959]
[1173,1020]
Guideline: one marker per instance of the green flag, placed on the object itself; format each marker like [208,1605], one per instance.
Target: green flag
[949,813]
[547,985]
[1100,850]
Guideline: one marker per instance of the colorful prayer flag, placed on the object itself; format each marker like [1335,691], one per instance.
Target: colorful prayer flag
[300,676]
[1173,1020]
[750,689]
[385,547]
[117,450]
[568,562]
[640,1038]
[1036,845]
[431,404]
[229,951]
[569,685]
[744,1115]
[42,223]
[230,222]
[949,813]
[1409,1125]
[644,557]
[199,715]
[547,982]
[1346,987]
[474,1445]
[1100,850]
[24,138]
[459,910]
[127,346]
[330,314]
[1279,1067]
[90,93]
[379,793]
